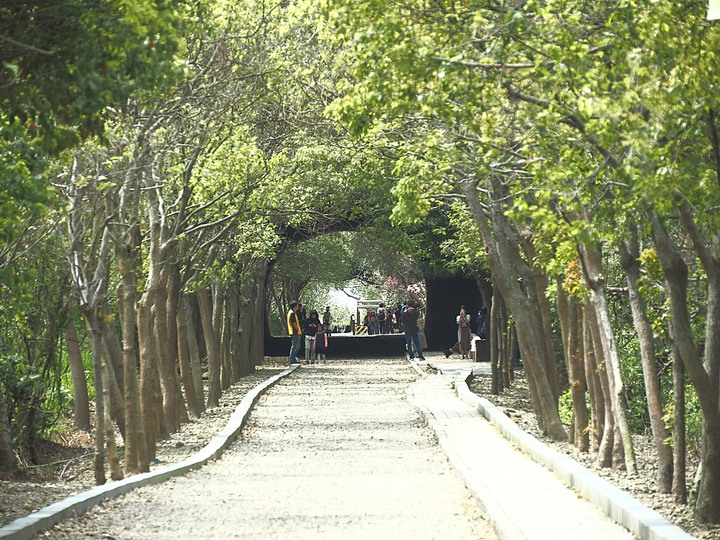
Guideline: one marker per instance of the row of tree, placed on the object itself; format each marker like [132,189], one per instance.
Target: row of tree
[568,150]
[201,159]
[582,142]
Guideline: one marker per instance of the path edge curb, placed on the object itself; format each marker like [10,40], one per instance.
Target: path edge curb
[642,521]
[25,528]
[501,523]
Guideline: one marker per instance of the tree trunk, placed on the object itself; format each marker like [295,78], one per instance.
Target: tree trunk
[186,372]
[592,378]
[77,371]
[94,323]
[592,266]
[702,370]
[496,345]
[260,303]
[514,278]
[8,461]
[194,352]
[136,453]
[629,258]
[112,453]
[116,405]
[607,440]
[234,318]
[174,410]
[206,316]
[150,393]
[679,480]
[227,377]
[571,329]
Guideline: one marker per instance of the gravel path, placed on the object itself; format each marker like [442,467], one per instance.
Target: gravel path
[334,451]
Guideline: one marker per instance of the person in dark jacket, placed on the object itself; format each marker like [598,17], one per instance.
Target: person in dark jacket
[312,324]
[411,329]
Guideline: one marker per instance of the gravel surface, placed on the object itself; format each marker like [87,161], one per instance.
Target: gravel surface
[334,451]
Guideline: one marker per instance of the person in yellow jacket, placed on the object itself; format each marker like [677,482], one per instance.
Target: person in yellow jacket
[295,331]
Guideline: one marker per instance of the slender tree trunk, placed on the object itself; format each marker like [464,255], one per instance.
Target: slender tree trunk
[116,405]
[174,410]
[514,278]
[227,377]
[206,316]
[607,441]
[150,394]
[570,325]
[629,255]
[185,368]
[136,453]
[234,319]
[702,369]
[77,371]
[495,347]
[96,333]
[260,302]
[8,461]
[592,267]
[679,480]
[592,378]
[194,352]
[112,453]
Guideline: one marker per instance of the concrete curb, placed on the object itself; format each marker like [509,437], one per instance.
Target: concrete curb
[621,507]
[27,527]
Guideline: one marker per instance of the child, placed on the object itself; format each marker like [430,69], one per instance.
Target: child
[321,342]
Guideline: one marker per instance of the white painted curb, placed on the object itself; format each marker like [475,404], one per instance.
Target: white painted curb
[621,507]
[27,527]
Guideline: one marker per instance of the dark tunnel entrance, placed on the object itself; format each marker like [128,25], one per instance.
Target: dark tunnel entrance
[444,298]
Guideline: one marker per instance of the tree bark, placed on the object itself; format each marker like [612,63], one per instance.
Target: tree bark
[136,454]
[150,393]
[571,329]
[94,323]
[8,461]
[227,376]
[607,440]
[116,403]
[629,258]
[702,370]
[514,278]
[679,480]
[186,372]
[77,372]
[592,267]
[174,411]
[194,352]
[206,317]
[592,378]
[112,453]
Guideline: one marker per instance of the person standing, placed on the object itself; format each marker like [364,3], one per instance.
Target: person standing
[322,343]
[480,322]
[327,318]
[412,332]
[463,343]
[295,331]
[312,324]
[463,322]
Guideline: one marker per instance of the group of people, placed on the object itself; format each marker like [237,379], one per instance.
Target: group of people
[315,331]
[386,320]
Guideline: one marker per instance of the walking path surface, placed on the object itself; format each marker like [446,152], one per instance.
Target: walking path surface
[340,451]
[522,496]
[333,451]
